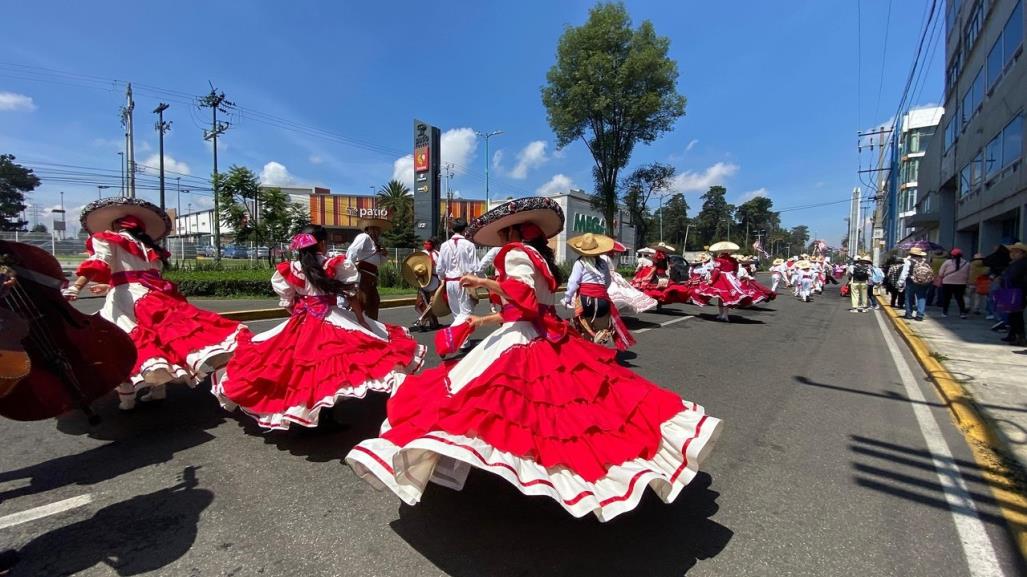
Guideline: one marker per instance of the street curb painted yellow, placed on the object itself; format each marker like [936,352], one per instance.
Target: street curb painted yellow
[280,313]
[989,447]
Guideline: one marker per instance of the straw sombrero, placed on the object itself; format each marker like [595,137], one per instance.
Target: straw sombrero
[803,264]
[917,251]
[863,258]
[416,269]
[663,247]
[778,261]
[646,250]
[543,212]
[723,246]
[381,223]
[100,215]
[590,244]
[440,303]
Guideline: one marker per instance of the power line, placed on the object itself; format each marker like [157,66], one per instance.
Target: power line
[884,58]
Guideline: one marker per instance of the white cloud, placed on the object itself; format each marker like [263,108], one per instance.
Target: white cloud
[497,160]
[315,159]
[690,181]
[275,174]
[457,146]
[11,101]
[691,144]
[152,165]
[531,156]
[747,196]
[558,184]
[559,153]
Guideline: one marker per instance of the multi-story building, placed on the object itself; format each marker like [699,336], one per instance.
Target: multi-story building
[916,131]
[978,194]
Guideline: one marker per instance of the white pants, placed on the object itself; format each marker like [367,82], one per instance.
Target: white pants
[805,287]
[460,301]
[775,280]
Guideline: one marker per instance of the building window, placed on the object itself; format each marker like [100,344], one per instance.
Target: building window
[951,129]
[952,74]
[972,31]
[978,88]
[1012,34]
[978,170]
[993,156]
[1012,141]
[995,63]
[964,179]
[910,170]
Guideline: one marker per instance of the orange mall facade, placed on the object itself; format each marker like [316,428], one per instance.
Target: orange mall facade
[340,213]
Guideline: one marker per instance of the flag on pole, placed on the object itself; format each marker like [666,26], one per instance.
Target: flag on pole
[758,247]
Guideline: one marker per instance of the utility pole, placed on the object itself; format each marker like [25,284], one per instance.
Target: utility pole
[488,160]
[99,190]
[449,194]
[130,160]
[162,128]
[216,102]
[121,160]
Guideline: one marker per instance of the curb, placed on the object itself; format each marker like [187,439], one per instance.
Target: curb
[280,313]
[988,445]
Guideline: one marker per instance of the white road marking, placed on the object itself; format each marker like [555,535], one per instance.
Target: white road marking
[979,551]
[670,322]
[44,511]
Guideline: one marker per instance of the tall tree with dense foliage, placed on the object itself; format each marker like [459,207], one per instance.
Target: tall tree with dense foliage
[15,182]
[675,224]
[237,190]
[612,87]
[799,237]
[639,187]
[755,215]
[396,198]
[714,220]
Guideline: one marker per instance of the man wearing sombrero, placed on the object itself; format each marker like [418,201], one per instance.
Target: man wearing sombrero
[778,272]
[419,271]
[367,254]
[534,403]
[175,341]
[457,259]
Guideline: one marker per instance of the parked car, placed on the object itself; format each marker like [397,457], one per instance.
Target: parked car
[261,251]
[677,268]
[207,251]
[234,251]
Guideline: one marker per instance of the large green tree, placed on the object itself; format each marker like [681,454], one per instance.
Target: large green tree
[713,223]
[238,189]
[612,87]
[15,182]
[675,223]
[639,187]
[798,238]
[396,197]
[757,215]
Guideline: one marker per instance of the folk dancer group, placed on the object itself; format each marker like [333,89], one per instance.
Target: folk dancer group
[535,402]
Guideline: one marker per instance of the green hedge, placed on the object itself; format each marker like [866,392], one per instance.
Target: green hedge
[239,282]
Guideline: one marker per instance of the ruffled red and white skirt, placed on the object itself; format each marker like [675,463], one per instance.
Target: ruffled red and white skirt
[177,342]
[560,419]
[288,374]
[758,291]
[726,289]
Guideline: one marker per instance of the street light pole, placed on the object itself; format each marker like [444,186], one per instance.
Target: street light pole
[487,136]
[162,127]
[122,161]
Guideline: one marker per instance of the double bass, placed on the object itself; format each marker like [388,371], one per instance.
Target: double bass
[75,358]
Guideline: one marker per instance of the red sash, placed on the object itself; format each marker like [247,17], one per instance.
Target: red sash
[621,335]
[150,279]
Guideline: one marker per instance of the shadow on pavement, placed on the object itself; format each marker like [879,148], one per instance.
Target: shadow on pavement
[339,430]
[104,462]
[491,529]
[883,394]
[624,358]
[132,537]
[735,319]
[635,324]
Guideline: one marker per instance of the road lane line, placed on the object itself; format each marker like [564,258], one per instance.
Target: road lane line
[44,511]
[670,322]
[977,547]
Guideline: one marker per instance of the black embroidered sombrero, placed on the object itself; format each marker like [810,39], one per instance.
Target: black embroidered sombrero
[543,212]
[100,215]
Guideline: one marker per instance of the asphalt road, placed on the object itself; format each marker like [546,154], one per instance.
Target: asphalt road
[824,468]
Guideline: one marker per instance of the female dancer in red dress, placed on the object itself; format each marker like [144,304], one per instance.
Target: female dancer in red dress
[175,341]
[534,402]
[655,281]
[323,352]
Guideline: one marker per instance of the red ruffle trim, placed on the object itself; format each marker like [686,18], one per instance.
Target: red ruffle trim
[170,328]
[285,269]
[95,270]
[310,360]
[758,292]
[126,244]
[559,404]
[722,289]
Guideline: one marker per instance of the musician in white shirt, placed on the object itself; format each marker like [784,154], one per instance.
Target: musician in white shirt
[456,259]
[367,254]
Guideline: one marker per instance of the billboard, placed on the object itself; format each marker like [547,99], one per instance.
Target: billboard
[343,210]
[427,179]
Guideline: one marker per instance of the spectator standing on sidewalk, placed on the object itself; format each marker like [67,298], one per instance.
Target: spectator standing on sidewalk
[981,283]
[954,274]
[1015,277]
[917,276]
[859,274]
[876,280]
[996,262]
[891,281]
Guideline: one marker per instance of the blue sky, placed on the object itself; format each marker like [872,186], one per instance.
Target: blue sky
[328,91]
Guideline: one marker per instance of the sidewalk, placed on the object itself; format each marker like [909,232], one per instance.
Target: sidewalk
[994,373]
